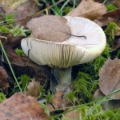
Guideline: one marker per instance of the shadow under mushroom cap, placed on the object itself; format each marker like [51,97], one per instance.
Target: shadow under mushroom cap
[72,51]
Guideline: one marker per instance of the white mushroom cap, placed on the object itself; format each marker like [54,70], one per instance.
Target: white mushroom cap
[72,51]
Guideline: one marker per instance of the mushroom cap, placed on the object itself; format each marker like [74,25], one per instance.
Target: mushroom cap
[72,51]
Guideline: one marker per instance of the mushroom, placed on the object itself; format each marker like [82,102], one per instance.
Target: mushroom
[62,42]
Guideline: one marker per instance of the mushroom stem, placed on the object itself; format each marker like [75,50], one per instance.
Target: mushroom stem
[62,79]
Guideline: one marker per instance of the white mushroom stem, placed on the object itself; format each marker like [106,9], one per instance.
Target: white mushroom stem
[62,77]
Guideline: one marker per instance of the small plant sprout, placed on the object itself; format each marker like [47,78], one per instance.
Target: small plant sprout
[84,43]
[19,52]
[23,81]
[48,97]
[10,28]
[15,30]
[10,18]
[18,31]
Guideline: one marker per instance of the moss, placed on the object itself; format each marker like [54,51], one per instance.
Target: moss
[111,7]
[2,97]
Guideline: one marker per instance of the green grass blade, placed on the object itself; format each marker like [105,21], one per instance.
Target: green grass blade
[3,50]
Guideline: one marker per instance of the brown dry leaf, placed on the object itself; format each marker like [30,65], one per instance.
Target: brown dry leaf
[25,10]
[89,9]
[116,44]
[57,101]
[4,80]
[110,77]
[2,10]
[111,104]
[98,94]
[42,73]
[112,16]
[104,21]
[12,3]
[14,41]
[21,107]
[117,3]
[51,28]
[13,57]
[33,88]
[5,8]
[73,115]
[20,70]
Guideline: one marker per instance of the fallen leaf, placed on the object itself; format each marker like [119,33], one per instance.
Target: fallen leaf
[2,10]
[57,101]
[112,16]
[104,21]
[111,104]
[26,10]
[98,94]
[17,63]
[12,4]
[4,84]
[110,78]
[21,107]
[13,57]
[41,73]
[22,9]
[116,44]
[73,115]
[51,28]
[33,88]
[89,9]
[117,3]
[20,70]
[5,8]
[14,41]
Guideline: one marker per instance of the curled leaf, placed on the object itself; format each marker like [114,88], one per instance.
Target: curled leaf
[33,88]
